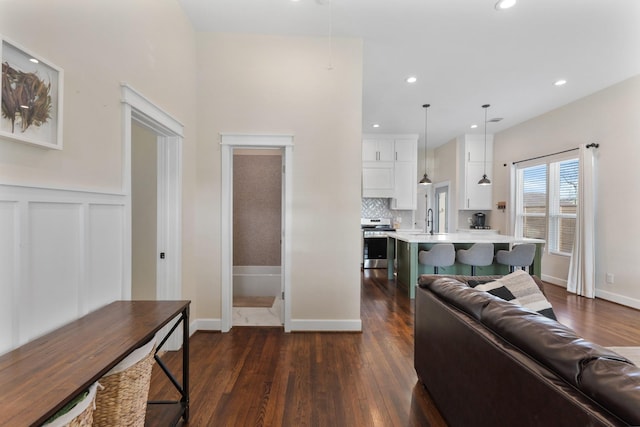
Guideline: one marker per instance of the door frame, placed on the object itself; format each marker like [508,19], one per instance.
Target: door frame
[170,135]
[436,189]
[228,143]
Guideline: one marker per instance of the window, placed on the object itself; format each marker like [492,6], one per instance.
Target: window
[546,204]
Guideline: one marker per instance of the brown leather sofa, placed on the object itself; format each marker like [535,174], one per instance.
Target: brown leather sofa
[488,362]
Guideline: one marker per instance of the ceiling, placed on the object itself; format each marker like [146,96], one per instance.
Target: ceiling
[464,53]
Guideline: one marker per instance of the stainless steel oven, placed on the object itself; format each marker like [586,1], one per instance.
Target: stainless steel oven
[374,242]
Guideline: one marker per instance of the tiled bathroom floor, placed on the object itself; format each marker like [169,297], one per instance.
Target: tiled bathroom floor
[258,316]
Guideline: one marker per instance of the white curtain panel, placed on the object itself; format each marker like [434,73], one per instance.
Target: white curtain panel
[581,278]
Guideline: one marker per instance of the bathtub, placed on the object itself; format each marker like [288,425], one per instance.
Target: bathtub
[257,280]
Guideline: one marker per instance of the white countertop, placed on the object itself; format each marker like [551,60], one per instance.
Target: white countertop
[421,237]
[477,231]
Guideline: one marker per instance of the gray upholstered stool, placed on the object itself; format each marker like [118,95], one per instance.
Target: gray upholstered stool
[519,256]
[480,254]
[440,255]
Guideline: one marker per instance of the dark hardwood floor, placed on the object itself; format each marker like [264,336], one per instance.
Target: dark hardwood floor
[264,377]
[597,320]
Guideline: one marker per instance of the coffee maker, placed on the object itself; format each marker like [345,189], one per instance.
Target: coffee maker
[479,221]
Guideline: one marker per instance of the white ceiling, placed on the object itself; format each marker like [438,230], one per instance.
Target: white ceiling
[463,52]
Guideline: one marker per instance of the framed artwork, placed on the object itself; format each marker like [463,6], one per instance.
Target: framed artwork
[31,98]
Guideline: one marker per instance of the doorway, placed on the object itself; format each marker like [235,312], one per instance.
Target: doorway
[229,144]
[441,201]
[257,231]
[139,112]
[144,212]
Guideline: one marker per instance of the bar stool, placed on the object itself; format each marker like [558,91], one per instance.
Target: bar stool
[519,256]
[478,255]
[440,255]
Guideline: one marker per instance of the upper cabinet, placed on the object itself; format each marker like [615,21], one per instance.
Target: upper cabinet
[377,167]
[389,169]
[405,172]
[473,196]
[377,150]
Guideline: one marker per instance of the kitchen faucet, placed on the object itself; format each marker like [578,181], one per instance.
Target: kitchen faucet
[430,222]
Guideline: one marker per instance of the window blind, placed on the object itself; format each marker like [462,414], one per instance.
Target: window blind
[548,194]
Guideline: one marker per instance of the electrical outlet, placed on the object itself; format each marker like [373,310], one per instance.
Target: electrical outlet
[609,278]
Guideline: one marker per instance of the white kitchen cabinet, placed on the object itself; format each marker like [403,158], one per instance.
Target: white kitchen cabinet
[377,168]
[472,166]
[377,150]
[389,168]
[405,172]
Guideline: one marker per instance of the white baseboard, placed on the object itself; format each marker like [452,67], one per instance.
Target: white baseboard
[326,325]
[205,325]
[617,298]
[602,294]
[299,325]
[554,280]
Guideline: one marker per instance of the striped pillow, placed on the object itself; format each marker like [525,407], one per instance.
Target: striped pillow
[519,288]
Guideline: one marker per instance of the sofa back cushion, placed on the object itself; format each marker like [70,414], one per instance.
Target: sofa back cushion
[458,294]
[550,343]
[616,385]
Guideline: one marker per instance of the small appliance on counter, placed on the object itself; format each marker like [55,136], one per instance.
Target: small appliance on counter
[479,222]
[374,241]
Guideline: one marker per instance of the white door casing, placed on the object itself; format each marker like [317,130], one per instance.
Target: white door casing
[170,136]
[228,142]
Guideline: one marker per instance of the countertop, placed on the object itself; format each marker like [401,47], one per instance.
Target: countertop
[421,237]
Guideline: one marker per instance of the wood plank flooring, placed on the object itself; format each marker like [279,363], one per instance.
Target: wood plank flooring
[597,320]
[264,377]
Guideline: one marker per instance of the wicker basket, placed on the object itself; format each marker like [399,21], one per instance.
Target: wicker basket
[81,415]
[123,401]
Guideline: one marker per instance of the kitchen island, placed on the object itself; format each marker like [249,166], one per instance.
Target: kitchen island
[403,248]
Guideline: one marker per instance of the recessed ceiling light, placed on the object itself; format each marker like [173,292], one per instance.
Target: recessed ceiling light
[560,82]
[505,4]
[375,125]
[412,79]
[474,126]
[34,60]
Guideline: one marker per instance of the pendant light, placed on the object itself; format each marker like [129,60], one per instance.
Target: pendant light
[485,180]
[425,179]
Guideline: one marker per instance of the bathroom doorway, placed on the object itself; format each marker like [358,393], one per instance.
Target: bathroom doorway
[257,232]
[229,144]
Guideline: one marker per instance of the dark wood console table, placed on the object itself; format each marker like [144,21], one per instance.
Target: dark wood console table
[40,377]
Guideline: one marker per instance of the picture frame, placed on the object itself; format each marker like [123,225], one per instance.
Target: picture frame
[31,92]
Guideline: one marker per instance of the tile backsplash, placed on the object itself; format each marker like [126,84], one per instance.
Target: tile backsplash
[379,208]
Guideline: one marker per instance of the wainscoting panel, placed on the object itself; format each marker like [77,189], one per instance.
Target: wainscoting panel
[54,268]
[8,270]
[105,243]
[62,254]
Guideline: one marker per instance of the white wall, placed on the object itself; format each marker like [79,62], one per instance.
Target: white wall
[148,44]
[240,84]
[280,85]
[610,118]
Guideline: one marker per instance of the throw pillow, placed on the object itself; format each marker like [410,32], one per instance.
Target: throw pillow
[520,288]
[473,283]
